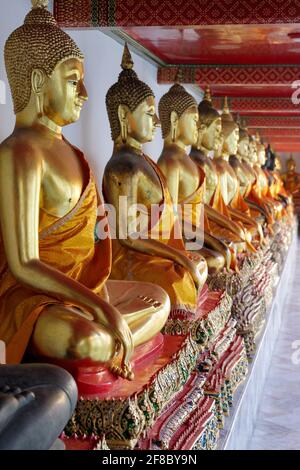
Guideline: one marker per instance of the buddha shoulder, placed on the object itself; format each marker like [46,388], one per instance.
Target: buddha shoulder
[170,155]
[234,161]
[126,165]
[20,150]
[124,162]
[199,157]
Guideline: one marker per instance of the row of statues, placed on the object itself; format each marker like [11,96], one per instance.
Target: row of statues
[63,293]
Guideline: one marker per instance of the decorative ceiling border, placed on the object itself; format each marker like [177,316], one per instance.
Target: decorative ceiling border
[282,122]
[243,105]
[231,74]
[179,13]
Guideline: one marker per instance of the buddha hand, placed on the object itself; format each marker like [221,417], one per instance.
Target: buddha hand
[193,263]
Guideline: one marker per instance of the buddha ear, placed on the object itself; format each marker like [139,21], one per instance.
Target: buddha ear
[38,80]
[174,118]
[123,111]
[174,125]
[202,128]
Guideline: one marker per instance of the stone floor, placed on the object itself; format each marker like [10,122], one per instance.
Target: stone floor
[277,425]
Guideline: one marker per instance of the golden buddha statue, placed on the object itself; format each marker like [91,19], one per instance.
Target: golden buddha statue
[278,184]
[243,155]
[55,300]
[256,196]
[246,176]
[186,181]
[158,254]
[291,178]
[209,139]
[229,183]
[264,180]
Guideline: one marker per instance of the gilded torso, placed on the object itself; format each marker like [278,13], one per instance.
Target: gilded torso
[175,163]
[241,173]
[63,174]
[129,174]
[211,176]
[228,179]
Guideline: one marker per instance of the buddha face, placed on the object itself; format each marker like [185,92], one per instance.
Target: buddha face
[291,166]
[261,155]
[252,155]
[231,143]
[63,93]
[243,147]
[219,142]
[278,165]
[142,122]
[211,135]
[186,127]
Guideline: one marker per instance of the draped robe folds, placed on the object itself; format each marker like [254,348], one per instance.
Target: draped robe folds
[130,264]
[274,189]
[66,244]
[195,199]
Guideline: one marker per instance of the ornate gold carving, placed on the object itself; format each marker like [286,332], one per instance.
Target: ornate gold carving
[204,329]
[123,421]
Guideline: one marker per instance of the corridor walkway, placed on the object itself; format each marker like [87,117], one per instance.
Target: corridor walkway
[278,423]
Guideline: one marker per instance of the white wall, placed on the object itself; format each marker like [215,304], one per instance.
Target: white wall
[102,57]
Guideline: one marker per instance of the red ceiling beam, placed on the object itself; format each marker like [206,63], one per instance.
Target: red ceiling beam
[264,106]
[283,122]
[289,133]
[99,13]
[287,148]
[234,79]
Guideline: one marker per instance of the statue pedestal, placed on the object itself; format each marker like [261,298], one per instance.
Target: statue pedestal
[98,380]
[239,426]
[166,375]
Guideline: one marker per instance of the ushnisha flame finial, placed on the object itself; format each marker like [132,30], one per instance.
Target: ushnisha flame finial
[207,94]
[226,106]
[244,122]
[127,62]
[179,76]
[40,3]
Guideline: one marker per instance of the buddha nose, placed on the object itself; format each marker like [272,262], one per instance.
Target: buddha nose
[83,92]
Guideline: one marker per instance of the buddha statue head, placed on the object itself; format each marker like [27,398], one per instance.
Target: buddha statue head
[291,164]
[244,141]
[278,164]
[179,116]
[45,70]
[261,151]
[219,142]
[130,106]
[230,131]
[252,154]
[210,124]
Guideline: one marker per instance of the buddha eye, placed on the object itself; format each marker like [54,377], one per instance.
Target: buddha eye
[73,82]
